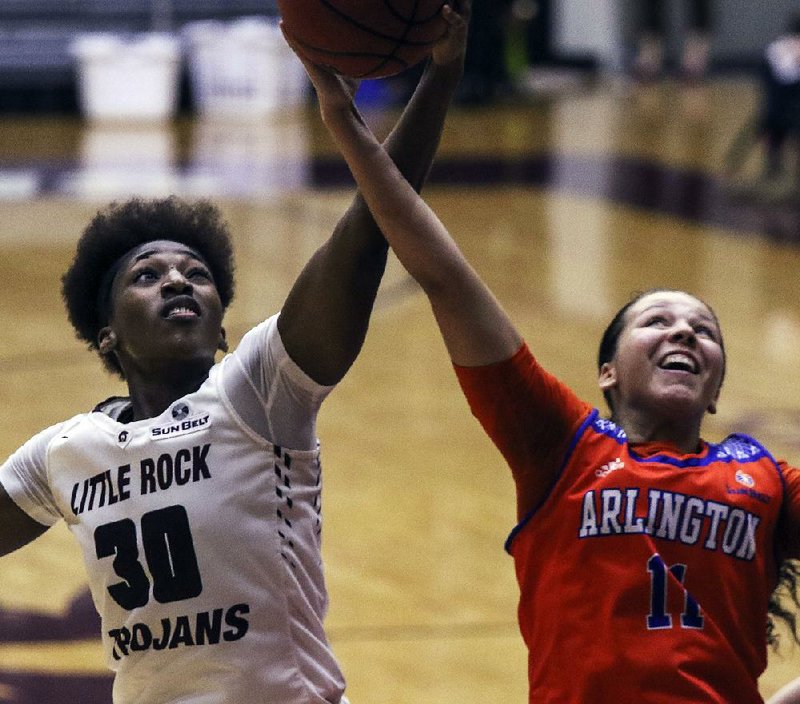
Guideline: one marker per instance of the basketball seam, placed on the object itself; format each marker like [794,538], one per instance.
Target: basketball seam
[371,30]
[414,20]
[386,58]
[396,41]
[400,40]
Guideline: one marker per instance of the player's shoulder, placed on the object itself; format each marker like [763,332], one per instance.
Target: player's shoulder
[38,445]
[740,447]
[260,333]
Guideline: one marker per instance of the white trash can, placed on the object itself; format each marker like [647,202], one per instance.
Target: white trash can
[243,68]
[128,79]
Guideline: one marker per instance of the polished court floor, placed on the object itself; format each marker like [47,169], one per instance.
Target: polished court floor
[566,204]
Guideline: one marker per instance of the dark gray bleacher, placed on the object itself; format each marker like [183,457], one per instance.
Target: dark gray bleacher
[37,71]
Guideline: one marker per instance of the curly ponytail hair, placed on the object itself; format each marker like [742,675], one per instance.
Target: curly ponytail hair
[784,603]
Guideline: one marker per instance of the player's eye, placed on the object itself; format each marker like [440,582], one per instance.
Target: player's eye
[144,276]
[705,331]
[198,274]
[655,321]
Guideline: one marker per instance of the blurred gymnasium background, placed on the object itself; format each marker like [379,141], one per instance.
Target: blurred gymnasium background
[569,181]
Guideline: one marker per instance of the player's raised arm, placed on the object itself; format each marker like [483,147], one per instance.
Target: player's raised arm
[325,317]
[475,328]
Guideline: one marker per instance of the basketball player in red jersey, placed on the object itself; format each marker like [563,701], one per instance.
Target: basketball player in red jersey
[646,557]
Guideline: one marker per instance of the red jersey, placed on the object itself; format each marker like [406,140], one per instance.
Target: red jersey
[645,573]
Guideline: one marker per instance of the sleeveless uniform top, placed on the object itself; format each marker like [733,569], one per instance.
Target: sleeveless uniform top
[201,536]
[650,575]
[643,577]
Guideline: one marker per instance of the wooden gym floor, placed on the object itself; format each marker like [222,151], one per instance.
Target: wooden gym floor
[566,205]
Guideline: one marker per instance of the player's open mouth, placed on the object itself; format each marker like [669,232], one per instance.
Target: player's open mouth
[679,362]
[184,309]
[181,313]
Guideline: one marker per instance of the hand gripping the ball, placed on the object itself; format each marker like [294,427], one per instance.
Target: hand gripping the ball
[452,46]
[365,39]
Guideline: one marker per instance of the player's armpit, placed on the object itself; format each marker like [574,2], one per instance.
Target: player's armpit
[17,528]
[788,694]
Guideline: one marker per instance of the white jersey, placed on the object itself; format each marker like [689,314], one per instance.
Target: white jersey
[201,534]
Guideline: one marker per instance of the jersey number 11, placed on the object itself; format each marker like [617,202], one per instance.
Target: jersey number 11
[658,618]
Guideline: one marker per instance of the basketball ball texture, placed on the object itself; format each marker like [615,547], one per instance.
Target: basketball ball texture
[364,38]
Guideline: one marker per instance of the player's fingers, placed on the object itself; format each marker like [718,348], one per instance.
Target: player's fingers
[351,83]
[457,11]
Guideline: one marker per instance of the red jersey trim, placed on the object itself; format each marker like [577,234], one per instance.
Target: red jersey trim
[735,447]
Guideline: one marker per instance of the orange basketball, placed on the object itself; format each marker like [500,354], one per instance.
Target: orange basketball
[364,38]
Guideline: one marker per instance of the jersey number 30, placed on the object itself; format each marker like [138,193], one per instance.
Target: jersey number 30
[168,550]
[658,618]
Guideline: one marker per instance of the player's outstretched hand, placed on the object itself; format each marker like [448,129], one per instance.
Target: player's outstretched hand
[334,91]
[453,45]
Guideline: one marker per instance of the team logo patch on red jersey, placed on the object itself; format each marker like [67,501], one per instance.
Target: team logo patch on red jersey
[612,466]
[745,479]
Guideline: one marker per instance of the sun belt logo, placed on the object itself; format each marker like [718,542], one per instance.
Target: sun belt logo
[745,479]
[180,410]
[612,466]
[183,424]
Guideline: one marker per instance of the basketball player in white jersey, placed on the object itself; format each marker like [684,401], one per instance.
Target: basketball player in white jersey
[196,499]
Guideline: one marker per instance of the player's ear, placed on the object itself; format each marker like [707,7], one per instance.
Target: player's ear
[607,378]
[106,340]
[712,407]
[222,345]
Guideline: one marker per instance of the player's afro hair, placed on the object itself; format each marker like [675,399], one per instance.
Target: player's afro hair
[119,228]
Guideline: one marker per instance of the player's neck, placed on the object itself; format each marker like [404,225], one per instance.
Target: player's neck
[150,396]
[682,433]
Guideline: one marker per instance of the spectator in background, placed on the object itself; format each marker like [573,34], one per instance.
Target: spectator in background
[538,42]
[536,64]
[485,70]
[649,61]
[780,107]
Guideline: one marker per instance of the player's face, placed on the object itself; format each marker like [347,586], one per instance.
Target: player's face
[669,357]
[165,308]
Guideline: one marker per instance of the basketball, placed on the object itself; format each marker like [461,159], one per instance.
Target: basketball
[364,38]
